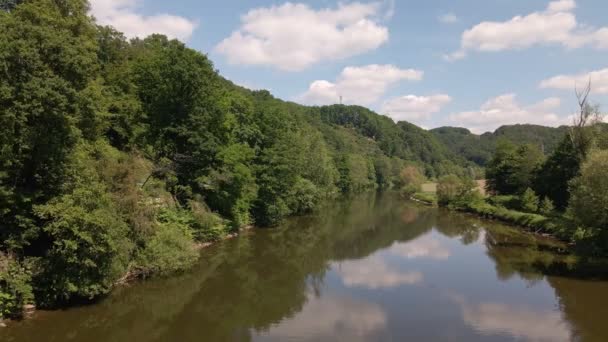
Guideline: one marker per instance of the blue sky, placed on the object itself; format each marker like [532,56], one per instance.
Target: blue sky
[471,63]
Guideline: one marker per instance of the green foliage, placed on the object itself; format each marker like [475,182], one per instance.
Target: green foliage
[90,248]
[546,207]
[529,201]
[505,201]
[170,249]
[589,202]
[15,288]
[480,148]
[201,224]
[304,196]
[553,176]
[426,197]
[454,191]
[512,168]
[534,221]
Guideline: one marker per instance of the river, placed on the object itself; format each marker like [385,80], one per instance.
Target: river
[373,268]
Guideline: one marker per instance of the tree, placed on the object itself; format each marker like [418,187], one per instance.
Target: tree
[529,201]
[551,180]
[563,165]
[511,169]
[48,67]
[546,206]
[412,180]
[455,191]
[589,195]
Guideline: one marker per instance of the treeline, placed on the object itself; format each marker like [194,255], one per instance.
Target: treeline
[564,194]
[479,149]
[117,156]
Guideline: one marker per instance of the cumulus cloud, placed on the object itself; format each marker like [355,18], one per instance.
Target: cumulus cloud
[122,15]
[358,85]
[414,108]
[598,78]
[448,18]
[294,36]
[521,322]
[375,273]
[555,25]
[424,247]
[504,110]
[328,317]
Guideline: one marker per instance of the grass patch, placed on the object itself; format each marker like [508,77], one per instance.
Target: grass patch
[426,197]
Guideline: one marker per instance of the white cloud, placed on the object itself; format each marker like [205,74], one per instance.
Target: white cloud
[358,85]
[122,15]
[556,25]
[325,318]
[423,247]
[599,81]
[504,110]
[414,108]
[561,6]
[448,18]
[293,37]
[374,273]
[520,322]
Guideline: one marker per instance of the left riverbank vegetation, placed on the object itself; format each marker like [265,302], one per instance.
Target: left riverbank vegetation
[564,194]
[118,156]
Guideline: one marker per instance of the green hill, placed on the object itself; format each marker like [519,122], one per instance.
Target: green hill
[479,148]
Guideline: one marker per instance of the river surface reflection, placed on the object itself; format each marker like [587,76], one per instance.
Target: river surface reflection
[373,268]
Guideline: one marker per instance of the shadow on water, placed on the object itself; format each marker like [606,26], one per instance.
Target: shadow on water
[256,286]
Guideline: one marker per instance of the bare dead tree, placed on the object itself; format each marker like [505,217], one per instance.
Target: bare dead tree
[587,115]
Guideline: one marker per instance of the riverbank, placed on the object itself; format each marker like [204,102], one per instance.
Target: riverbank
[534,223]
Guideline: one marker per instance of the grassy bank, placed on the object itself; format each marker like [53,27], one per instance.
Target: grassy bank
[485,207]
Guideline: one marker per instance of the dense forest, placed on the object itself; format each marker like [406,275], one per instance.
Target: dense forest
[118,156]
[480,148]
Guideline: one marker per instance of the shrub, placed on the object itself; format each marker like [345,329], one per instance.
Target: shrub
[411,180]
[90,248]
[456,192]
[427,197]
[202,224]
[546,206]
[15,287]
[505,201]
[170,249]
[304,197]
[529,201]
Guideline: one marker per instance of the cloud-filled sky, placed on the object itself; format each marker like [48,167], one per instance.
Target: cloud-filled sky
[472,63]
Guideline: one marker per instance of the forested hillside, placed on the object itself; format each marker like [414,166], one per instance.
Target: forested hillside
[480,148]
[117,156]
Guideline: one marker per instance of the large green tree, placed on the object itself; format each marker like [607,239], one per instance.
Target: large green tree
[511,169]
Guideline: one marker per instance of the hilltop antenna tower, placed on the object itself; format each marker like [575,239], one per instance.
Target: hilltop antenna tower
[340,99]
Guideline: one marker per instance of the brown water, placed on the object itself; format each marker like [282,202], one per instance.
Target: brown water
[370,269]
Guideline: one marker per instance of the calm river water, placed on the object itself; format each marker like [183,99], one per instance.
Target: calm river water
[373,268]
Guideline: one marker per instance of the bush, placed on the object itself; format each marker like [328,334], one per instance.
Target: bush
[546,207]
[170,249]
[15,287]
[90,248]
[411,180]
[202,225]
[304,197]
[427,197]
[456,192]
[529,201]
[505,201]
